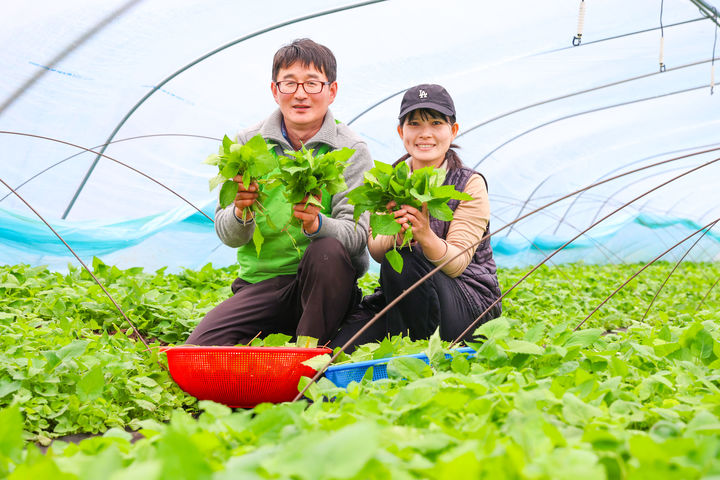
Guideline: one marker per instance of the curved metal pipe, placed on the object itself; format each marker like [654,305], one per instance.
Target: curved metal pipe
[581,92]
[567,211]
[646,177]
[192,64]
[114,160]
[485,237]
[380,102]
[599,109]
[677,264]
[607,253]
[34,176]
[537,187]
[474,323]
[641,270]
[137,332]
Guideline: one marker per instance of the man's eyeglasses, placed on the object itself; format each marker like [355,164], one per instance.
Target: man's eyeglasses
[310,87]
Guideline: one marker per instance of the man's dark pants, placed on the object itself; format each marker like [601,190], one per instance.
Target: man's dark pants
[312,303]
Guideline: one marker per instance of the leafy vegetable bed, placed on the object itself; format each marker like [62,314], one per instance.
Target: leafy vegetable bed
[538,401]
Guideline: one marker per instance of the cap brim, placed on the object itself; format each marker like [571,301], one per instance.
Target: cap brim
[430,105]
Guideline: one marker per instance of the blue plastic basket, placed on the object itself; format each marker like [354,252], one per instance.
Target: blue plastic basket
[342,375]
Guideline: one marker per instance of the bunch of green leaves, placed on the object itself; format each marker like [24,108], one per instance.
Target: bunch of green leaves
[254,160]
[303,174]
[383,184]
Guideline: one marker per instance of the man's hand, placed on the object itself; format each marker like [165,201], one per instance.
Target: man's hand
[245,199]
[308,215]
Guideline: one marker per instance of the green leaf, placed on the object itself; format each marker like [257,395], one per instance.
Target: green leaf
[294,169]
[577,412]
[260,160]
[91,384]
[213,159]
[440,210]
[535,333]
[702,345]
[520,346]
[422,198]
[214,409]
[340,454]
[497,329]
[460,364]
[276,340]
[11,430]
[216,181]
[181,458]
[258,239]
[226,143]
[72,350]
[665,349]
[317,362]
[382,167]
[583,338]
[395,259]
[408,368]
[228,192]
[435,352]
[704,422]
[230,169]
[384,224]
[7,387]
[449,192]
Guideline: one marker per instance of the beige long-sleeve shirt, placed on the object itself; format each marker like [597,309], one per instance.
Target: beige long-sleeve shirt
[468,226]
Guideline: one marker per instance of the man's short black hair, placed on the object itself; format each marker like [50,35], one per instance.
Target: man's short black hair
[308,53]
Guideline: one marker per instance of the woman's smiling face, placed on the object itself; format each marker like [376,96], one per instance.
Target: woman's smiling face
[427,135]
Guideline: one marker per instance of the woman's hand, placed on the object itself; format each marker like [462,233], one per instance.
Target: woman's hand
[408,216]
[399,215]
[420,222]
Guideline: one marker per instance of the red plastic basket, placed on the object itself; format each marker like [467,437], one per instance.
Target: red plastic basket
[241,376]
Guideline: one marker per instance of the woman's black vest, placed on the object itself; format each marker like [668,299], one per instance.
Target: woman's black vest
[478,282]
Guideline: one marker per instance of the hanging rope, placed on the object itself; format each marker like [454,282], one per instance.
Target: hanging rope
[662,39]
[581,24]
[712,64]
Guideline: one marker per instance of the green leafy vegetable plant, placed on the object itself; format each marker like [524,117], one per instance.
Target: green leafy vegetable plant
[619,398]
[253,160]
[304,174]
[383,184]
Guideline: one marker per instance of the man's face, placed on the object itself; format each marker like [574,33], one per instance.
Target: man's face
[303,111]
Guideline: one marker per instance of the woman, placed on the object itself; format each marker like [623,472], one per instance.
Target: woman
[464,288]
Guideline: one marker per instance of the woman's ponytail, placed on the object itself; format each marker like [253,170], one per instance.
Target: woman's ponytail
[452,158]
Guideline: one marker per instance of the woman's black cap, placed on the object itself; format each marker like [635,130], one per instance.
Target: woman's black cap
[427,96]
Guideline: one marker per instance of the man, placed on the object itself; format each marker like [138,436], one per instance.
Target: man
[304,295]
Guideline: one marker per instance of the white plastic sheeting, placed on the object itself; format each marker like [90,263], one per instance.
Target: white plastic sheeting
[539,117]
